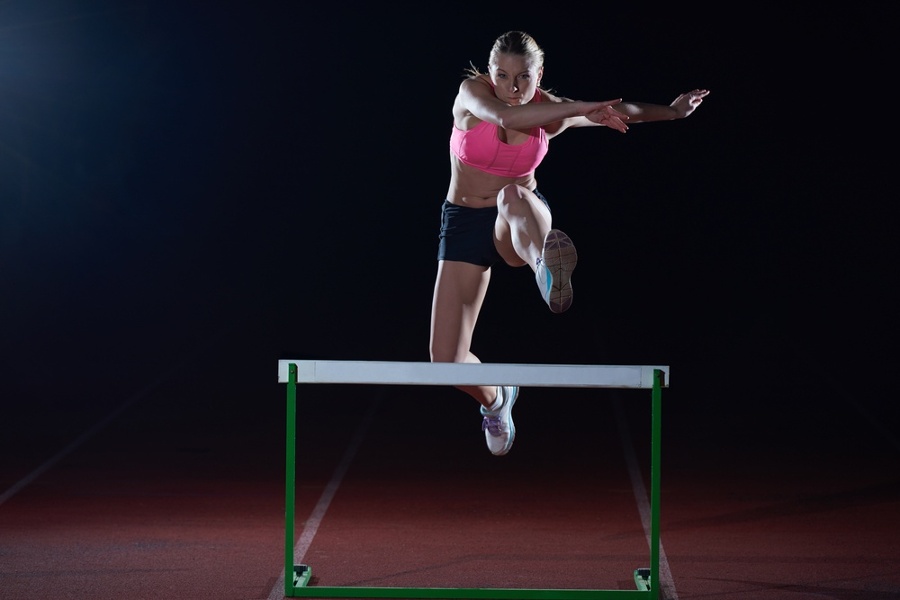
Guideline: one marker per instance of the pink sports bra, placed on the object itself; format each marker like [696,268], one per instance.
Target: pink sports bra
[480,147]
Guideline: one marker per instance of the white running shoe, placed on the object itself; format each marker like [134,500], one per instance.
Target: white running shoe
[498,427]
[553,272]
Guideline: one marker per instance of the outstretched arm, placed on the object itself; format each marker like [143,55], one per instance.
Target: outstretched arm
[642,112]
[476,98]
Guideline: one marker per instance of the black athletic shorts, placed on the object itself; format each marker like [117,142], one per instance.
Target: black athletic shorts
[467,234]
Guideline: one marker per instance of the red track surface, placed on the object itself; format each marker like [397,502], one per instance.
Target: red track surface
[182,494]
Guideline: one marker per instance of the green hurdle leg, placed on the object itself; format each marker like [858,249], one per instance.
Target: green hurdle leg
[290,473]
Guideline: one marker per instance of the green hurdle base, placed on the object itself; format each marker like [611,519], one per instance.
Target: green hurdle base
[297,577]
[302,574]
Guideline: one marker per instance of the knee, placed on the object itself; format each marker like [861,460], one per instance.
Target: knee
[511,198]
[439,354]
[448,350]
[435,353]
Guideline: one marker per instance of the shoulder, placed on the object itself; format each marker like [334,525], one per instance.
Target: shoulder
[474,91]
[476,84]
[547,96]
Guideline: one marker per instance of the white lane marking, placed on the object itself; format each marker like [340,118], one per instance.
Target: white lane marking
[666,583]
[81,439]
[318,512]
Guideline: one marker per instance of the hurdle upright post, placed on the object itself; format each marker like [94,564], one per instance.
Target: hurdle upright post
[290,486]
[655,493]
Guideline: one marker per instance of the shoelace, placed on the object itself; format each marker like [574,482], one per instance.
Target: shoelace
[492,425]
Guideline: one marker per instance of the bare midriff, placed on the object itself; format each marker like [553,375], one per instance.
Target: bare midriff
[476,189]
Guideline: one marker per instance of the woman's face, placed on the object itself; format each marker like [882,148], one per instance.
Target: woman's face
[515,78]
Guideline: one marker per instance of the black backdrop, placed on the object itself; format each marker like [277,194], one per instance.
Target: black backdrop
[269,175]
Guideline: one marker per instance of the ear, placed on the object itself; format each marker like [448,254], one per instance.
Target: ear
[540,74]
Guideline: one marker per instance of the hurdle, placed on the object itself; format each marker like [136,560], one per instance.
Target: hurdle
[294,372]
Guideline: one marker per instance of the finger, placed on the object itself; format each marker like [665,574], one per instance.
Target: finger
[616,124]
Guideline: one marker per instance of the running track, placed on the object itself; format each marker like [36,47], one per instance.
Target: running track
[171,486]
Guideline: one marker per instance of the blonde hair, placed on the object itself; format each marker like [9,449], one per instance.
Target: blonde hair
[518,43]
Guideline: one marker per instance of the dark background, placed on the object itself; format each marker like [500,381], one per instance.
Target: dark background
[264,180]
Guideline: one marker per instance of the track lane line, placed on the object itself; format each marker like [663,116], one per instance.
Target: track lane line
[102,423]
[666,583]
[318,513]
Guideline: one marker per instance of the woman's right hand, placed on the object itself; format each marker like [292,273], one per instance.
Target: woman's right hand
[604,114]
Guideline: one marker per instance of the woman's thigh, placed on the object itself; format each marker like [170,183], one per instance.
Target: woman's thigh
[458,295]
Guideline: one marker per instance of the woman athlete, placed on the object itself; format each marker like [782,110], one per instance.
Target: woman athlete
[493,212]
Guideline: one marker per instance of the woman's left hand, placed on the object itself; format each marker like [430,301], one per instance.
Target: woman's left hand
[687,103]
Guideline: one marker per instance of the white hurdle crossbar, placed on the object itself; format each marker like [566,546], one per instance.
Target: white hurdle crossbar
[417,373]
[294,372]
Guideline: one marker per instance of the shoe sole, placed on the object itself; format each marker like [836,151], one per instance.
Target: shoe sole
[560,257]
